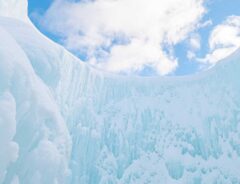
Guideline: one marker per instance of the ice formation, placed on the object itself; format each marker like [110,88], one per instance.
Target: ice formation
[63,122]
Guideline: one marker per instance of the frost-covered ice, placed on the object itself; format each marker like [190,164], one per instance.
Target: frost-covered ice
[62,121]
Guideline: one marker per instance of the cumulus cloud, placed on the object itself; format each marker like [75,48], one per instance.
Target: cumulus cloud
[125,35]
[224,40]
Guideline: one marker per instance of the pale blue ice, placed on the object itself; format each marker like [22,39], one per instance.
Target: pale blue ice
[64,122]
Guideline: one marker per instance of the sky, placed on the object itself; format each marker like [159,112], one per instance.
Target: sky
[142,37]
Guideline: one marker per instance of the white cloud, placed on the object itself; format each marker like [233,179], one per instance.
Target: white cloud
[224,40]
[136,55]
[195,42]
[205,24]
[191,55]
[125,35]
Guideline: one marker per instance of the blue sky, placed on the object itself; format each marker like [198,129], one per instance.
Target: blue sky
[199,47]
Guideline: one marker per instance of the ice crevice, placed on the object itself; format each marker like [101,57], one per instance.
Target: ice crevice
[62,121]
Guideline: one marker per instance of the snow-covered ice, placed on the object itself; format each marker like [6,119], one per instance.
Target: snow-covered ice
[62,121]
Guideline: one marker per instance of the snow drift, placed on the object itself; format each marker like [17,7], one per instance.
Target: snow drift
[62,121]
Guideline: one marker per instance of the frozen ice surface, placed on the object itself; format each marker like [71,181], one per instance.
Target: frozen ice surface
[63,122]
[14,9]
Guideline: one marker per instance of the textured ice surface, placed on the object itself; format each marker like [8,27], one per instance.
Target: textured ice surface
[62,121]
[15,9]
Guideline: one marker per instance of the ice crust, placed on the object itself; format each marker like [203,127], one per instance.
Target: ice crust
[62,121]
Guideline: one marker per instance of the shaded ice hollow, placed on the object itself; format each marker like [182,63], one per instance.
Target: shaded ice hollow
[63,122]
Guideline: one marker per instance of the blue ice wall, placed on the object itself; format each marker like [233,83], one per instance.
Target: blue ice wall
[62,121]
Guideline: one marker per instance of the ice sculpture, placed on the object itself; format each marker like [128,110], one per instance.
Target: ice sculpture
[62,121]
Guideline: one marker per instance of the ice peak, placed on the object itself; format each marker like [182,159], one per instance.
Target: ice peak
[14,9]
